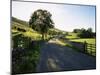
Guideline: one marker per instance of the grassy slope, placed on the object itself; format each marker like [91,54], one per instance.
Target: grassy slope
[19,21]
[29,31]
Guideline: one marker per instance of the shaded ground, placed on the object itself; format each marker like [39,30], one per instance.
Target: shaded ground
[55,57]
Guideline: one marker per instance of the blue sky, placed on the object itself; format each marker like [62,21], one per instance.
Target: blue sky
[66,17]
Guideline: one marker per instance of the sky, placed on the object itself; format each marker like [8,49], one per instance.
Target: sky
[66,17]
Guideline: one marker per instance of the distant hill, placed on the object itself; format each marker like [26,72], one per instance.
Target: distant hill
[19,21]
[20,24]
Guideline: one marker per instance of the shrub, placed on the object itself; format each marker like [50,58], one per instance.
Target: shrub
[25,55]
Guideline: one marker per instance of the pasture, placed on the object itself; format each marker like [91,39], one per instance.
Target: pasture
[71,35]
[88,40]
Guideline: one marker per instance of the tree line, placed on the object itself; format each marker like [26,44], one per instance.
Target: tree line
[85,33]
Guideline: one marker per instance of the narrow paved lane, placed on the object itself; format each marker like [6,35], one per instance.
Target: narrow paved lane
[55,57]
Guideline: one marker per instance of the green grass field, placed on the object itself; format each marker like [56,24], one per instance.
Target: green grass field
[88,40]
[71,35]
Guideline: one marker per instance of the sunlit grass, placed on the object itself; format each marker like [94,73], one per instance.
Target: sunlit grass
[28,33]
[60,42]
[88,40]
[15,32]
[63,43]
[33,35]
[71,35]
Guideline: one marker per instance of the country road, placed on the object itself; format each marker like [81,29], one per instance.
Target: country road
[54,57]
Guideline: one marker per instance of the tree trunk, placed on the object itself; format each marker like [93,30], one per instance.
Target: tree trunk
[43,37]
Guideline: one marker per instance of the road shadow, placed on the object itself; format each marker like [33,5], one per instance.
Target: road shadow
[54,58]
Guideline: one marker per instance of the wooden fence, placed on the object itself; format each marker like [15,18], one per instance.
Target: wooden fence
[90,48]
[85,47]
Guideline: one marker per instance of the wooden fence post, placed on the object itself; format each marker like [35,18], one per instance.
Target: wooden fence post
[85,46]
[91,48]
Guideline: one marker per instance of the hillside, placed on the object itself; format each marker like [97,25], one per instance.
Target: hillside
[19,21]
[22,27]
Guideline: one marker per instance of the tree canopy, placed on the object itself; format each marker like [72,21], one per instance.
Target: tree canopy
[41,21]
[86,33]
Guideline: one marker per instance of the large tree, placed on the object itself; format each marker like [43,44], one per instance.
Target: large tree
[41,21]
